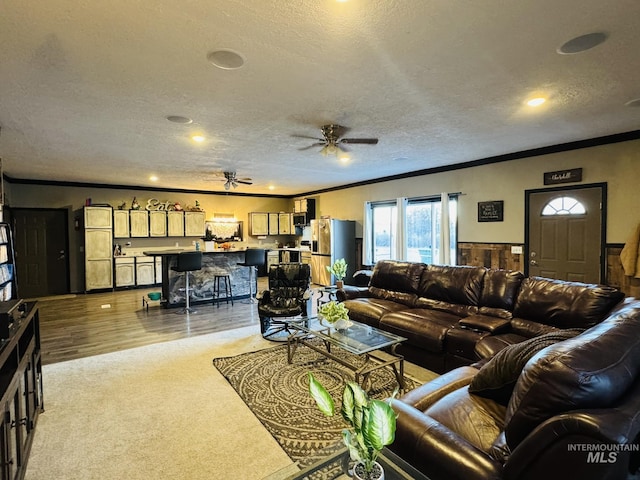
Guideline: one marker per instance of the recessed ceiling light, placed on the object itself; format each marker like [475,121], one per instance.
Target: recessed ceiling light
[582,43]
[226,59]
[272,187]
[536,102]
[153,178]
[179,119]
[197,138]
[633,103]
[344,157]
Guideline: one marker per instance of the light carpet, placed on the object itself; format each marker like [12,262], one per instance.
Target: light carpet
[278,394]
[155,412]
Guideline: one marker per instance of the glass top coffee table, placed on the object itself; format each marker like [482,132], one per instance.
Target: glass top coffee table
[395,468]
[359,339]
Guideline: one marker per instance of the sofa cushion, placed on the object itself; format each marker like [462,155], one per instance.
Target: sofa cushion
[424,328]
[396,281]
[453,308]
[460,285]
[371,310]
[500,289]
[591,370]
[497,378]
[491,345]
[529,328]
[485,323]
[564,304]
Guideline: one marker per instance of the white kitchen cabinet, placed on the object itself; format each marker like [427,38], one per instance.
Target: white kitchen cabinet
[145,271]
[194,224]
[175,223]
[98,247]
[98,217]
[139,223]
[121,223]
[158,270]
[157,223]
[259,223]
[273,224]
[284,223]
[125,271]
[273,258]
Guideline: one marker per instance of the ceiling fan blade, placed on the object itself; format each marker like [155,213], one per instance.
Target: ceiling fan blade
[370,141]
[245,182]
[308,136]
[317,144]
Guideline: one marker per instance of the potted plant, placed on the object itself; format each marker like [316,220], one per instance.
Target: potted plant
[337,314]
[209,240]
[372,422]
[338,270]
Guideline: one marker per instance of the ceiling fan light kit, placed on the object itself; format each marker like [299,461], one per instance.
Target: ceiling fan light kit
[232,180]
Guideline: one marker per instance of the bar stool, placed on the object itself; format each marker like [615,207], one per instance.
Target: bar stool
[253,258]
[188,262]
[222,275]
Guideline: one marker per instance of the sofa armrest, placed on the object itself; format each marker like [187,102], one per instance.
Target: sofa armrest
[437,451]
[349,292]
[485,323]
[426,395]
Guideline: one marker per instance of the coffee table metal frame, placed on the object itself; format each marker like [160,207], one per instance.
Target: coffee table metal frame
[359,339]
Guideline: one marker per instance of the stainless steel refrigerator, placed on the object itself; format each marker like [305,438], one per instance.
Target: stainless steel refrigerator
[332,239]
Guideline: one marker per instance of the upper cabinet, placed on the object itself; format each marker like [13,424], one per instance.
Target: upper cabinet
[121,223]
[284,223]
[259,223]
[98,217]
[158,223]
[273,224]
[175,223]
[139,223]
[194,224]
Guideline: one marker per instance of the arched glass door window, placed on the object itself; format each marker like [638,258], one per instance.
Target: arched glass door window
[564,206]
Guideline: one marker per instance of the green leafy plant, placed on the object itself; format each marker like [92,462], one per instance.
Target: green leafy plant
[338,269]
[373,422]
[333,311]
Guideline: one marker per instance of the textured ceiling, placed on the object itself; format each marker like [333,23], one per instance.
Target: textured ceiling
[86,86]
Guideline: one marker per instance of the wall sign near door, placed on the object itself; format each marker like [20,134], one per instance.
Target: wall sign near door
[491,211]
[563,176]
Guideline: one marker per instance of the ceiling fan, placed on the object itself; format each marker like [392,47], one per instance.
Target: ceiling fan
[232,180]
[332,143]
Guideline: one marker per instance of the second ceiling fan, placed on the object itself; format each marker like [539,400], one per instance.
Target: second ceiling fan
[332,142]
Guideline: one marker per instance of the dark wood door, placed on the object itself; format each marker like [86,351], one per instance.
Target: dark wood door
[41,245]
[565,234]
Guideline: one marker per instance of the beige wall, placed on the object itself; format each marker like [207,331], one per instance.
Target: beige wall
[617,164]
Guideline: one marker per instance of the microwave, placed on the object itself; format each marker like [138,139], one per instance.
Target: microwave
[300,219]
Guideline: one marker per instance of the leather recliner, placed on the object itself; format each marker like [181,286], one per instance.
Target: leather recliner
[573,411]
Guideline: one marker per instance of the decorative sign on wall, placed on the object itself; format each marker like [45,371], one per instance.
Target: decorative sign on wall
[491,211]
[563,176]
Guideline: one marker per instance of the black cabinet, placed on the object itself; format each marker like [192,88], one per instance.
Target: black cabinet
[20,387]
[8,286]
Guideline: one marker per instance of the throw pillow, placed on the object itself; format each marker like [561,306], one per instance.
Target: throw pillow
[497,378]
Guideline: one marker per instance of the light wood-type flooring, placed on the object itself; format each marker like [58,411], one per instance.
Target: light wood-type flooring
[76,326]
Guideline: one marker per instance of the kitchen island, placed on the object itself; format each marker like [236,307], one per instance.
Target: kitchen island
[201,282]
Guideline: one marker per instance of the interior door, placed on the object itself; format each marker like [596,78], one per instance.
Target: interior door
[565,234]
[41,245]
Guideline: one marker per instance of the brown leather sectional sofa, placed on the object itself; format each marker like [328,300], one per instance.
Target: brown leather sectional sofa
[456,315]
[555,394]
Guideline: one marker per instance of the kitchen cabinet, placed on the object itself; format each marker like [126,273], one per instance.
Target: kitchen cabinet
[121,223]
[158,262]
[273,258]
[125,271]
[139,223]
[145,271]
[284,224]
[175,223]
[259,223]
[273,224]
[98,247]
[194,224]
[157,223]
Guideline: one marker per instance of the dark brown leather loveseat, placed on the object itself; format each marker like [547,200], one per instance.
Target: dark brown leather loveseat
[457,315]
[559,405]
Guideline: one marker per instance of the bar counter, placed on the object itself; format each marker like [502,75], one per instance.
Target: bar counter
[201,282]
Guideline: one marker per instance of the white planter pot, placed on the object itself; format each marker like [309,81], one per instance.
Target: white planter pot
[376,474]
[209,246]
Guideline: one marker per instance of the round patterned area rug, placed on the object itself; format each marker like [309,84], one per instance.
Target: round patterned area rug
[278,394]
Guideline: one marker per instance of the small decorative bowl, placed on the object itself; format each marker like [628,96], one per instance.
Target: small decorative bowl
[154,295]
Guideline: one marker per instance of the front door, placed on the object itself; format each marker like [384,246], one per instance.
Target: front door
[41,243]
[565,234]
